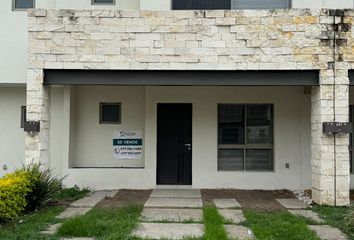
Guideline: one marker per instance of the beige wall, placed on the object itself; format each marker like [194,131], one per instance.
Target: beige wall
[336,4]
[86,4]
[13,44]
[291,123]
[12,136]
[93,141]
[92,144]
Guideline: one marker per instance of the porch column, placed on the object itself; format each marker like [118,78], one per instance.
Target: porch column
[37,146]
[330,154]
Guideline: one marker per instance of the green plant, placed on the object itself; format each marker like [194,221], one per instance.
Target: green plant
[103,223]
[214,228]
[44,185]
[349,222]
[339,217]
[14,188]
[31,225]
[280,225]
[71,194]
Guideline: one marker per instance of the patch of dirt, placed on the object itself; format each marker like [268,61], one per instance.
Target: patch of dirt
[249,199]
[125,197]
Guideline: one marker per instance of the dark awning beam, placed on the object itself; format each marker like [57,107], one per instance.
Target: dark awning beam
[182,78]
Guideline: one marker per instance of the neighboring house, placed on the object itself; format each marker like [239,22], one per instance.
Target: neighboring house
[221,98]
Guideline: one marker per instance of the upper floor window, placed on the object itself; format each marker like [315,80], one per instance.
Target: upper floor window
[200,4]
[103,2]
[229,4]
[23,4]
[260,4]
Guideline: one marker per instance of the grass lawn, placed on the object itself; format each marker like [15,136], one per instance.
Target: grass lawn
[338,217]
[118,223]
[29,226]
[279,225]
[71,194]
[103,223]
[214,228]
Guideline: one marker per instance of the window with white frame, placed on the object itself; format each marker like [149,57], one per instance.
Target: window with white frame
[103,2]
[245,137]
[23,4]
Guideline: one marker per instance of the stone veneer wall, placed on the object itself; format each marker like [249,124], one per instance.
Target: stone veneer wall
[188,40]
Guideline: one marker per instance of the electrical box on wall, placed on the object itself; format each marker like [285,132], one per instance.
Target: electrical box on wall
[337,127]
[31,126]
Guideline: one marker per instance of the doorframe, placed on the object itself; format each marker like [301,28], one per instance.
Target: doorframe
[156,139]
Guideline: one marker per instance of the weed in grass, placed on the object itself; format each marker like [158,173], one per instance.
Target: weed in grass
[71,194]
[30,225]
[337,217]
[213,222]
[278,226]
[103,223]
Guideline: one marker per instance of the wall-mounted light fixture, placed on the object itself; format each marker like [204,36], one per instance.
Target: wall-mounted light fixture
[32,127]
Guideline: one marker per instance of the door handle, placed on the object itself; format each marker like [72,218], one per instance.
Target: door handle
[187,144]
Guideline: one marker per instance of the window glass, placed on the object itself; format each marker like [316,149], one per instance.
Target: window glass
[259,159]
[231,159]
[200,4]
[260,4]
[252,151]
[110,113]
[23,4]
[259,127]
[103,2]
[231,124]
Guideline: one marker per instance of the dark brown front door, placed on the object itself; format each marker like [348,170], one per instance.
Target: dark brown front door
[174,144]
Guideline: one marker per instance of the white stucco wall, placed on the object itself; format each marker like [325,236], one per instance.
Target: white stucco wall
[336,4]
[12,136]
[86,4]
[13,44]
[155,4]
[93,143]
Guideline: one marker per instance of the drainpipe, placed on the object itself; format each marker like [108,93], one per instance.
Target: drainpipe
[334,50]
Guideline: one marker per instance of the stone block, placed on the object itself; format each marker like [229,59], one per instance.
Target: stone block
[73,212]
[174,202]
[292,203]
[169,231]
[226,203]
[326,232]
[172,215]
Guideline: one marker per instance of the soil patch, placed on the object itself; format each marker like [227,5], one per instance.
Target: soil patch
[126,197]
[249,199]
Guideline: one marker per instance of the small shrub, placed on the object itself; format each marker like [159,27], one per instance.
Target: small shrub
[14,188]
[44,185]
[349,222]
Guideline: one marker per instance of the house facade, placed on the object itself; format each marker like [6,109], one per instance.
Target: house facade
[143,94]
